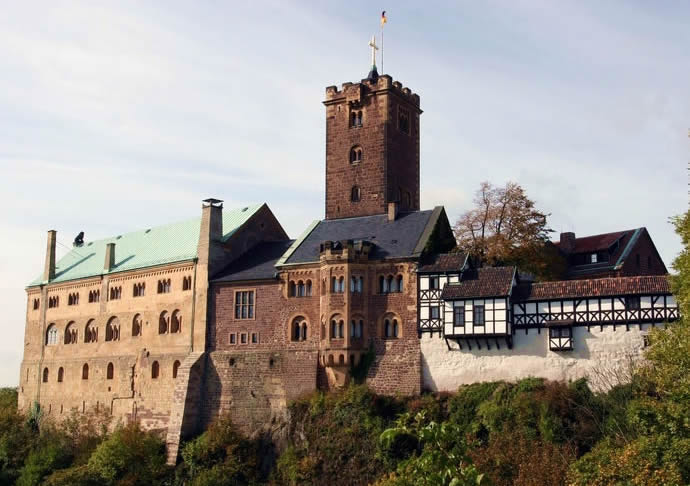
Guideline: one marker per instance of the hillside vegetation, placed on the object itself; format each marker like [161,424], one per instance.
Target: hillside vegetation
[532,432]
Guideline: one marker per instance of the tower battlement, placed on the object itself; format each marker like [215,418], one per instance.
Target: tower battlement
[354,91]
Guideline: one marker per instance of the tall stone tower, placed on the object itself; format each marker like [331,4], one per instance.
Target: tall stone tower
[372,147]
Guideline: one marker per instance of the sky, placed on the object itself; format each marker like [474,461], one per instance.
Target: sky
[116,116]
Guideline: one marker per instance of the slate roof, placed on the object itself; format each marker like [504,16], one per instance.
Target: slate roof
[391,239]
[480,283]
[595,287]
[256,264]
[443,262]
[593,243]
[158,245]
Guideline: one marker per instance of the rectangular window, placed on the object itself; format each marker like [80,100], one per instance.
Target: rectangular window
[233,338]
[403,120]
[434,312]
[459,316]
[593,258]
[244,304]
[632,302]
[433,283]
[255,338]
[478,315]
[243,338]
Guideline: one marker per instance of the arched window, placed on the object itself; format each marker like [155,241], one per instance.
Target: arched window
[163,323]
[355,154]
[176,322]
[355,194]
[360,284]
[387,331]
[308,288]
[334,284]
[61,374]
[112,330]
[395,328]
[353,284]
[360,329]
[176,366]
[186,283]
[300,289]
[85,372]
[155,370]
[45,375]
[292,292]
[400,283]
[71,333]
[341,285]
[334,329]
[36,303]
[295,328]
[356,119]
[353,328]
[91,332]
[303,335]
[136,325]
[341,329]
[382,284]
[51,335]
[110,372]
[391,284]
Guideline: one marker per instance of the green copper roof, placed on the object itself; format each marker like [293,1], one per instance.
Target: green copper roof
[174,242]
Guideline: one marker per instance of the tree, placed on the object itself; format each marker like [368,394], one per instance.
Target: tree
[505,228]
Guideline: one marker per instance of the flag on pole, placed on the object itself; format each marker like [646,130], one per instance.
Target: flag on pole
[383,18]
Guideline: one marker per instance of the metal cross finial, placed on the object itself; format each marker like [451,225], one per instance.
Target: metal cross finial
[374,48]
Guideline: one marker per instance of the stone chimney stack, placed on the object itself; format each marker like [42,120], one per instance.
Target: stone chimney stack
[392,211]
[49,269]
[109,263]
[567,242]
[210,249]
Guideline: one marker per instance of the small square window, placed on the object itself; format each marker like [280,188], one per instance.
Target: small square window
[434,312]
[233,338]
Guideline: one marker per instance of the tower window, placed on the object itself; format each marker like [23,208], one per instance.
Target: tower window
[355,154]
[356,194]
[403,120]
[356,119]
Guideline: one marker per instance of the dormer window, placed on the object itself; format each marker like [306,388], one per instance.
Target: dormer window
[356,154]
[593,258]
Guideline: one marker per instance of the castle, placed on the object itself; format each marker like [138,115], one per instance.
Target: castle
[173,325]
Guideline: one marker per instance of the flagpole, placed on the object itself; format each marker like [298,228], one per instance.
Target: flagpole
[382,71]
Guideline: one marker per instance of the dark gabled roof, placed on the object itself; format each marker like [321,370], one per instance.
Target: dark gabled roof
[595,287]
[402,238]
[479,283]
[593,243]
[443,262]
[256,264]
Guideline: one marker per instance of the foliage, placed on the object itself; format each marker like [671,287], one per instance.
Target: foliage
[440,458]
[359,371]
[505,228]
[220,456]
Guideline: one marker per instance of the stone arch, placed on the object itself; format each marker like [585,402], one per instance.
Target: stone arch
[136,325]
[112,329]
[163,322]
[355,154]
[85,372]
[176,322]
[51,335]
[45,375]
[110,372]
[297,328]
[334,327]
[155,370]
[176,367]
[70,333]
[61,374]
[91,332]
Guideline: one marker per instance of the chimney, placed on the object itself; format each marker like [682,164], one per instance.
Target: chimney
[211,232]
[567,242]
[49,269]
[109,257]
[392,211]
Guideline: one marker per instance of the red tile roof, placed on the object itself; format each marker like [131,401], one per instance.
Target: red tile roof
[484,282]
[595,287]
[444,262]
[590,244]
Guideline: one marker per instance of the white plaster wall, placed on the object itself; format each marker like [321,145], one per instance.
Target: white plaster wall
[594,352]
